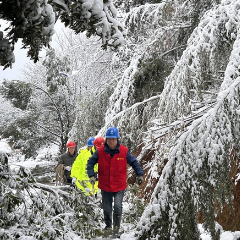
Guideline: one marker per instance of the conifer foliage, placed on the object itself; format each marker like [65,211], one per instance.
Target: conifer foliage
[197,175]
[33,22]
[188,186]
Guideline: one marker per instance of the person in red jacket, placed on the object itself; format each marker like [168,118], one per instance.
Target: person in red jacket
[112,159]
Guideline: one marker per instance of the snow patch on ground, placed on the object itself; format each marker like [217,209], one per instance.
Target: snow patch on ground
[4,147]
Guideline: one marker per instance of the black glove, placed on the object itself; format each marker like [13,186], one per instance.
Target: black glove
[140,180]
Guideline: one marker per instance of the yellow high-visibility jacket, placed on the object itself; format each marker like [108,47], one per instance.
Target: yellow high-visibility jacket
[80,173]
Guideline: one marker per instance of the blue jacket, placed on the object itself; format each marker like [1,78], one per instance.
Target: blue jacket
[131,160]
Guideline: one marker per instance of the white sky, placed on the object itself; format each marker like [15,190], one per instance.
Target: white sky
[20,56]
[20,59]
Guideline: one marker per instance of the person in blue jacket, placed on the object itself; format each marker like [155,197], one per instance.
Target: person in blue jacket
[112,159]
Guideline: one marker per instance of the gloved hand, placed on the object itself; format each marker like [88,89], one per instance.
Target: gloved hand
[87,190]
[74,180]
[140,180]
[92,180]
[68,168]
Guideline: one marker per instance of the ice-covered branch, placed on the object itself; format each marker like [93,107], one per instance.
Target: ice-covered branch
[202,54]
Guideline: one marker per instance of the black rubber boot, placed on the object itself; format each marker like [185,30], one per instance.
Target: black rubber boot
[107,231]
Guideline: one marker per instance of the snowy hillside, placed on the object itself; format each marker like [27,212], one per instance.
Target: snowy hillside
[172,90]
[195,127]
[127,229]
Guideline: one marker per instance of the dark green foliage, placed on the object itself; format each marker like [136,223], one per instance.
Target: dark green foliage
[207,199]
[136,205]
[6,52]
[27,135]
[21,14]
[199,8]
[224,44]
[187,217]
[13,131]
[160,227]
[17,92]
[58,69]
[33,21]
[211,71]
[149,80]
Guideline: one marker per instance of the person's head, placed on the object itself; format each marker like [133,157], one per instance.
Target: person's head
[90,142]
[98,142]
[112,137]
[71,147]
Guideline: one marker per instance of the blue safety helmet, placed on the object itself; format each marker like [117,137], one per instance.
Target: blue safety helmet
[112,132]
[90,142]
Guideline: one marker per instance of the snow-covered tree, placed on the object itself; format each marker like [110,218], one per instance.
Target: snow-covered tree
[74,77]
[43,212]
[196,178]
[18,93]
[8,113]
[47,99]
[157,36]
[95,71]
[33,22]
[197,175]
[53,99]
[175,99]
[186,125]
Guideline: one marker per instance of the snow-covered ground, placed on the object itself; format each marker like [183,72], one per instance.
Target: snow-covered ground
[44,155]
[4,147]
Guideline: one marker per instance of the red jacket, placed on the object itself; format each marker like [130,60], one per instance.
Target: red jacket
[112,172]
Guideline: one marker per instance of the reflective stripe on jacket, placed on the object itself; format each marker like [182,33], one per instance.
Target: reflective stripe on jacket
[112,172]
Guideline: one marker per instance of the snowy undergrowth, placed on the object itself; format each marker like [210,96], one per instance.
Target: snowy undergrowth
[41,207]
[31,209]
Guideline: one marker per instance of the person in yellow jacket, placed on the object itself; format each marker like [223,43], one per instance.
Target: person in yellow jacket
[79,173]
